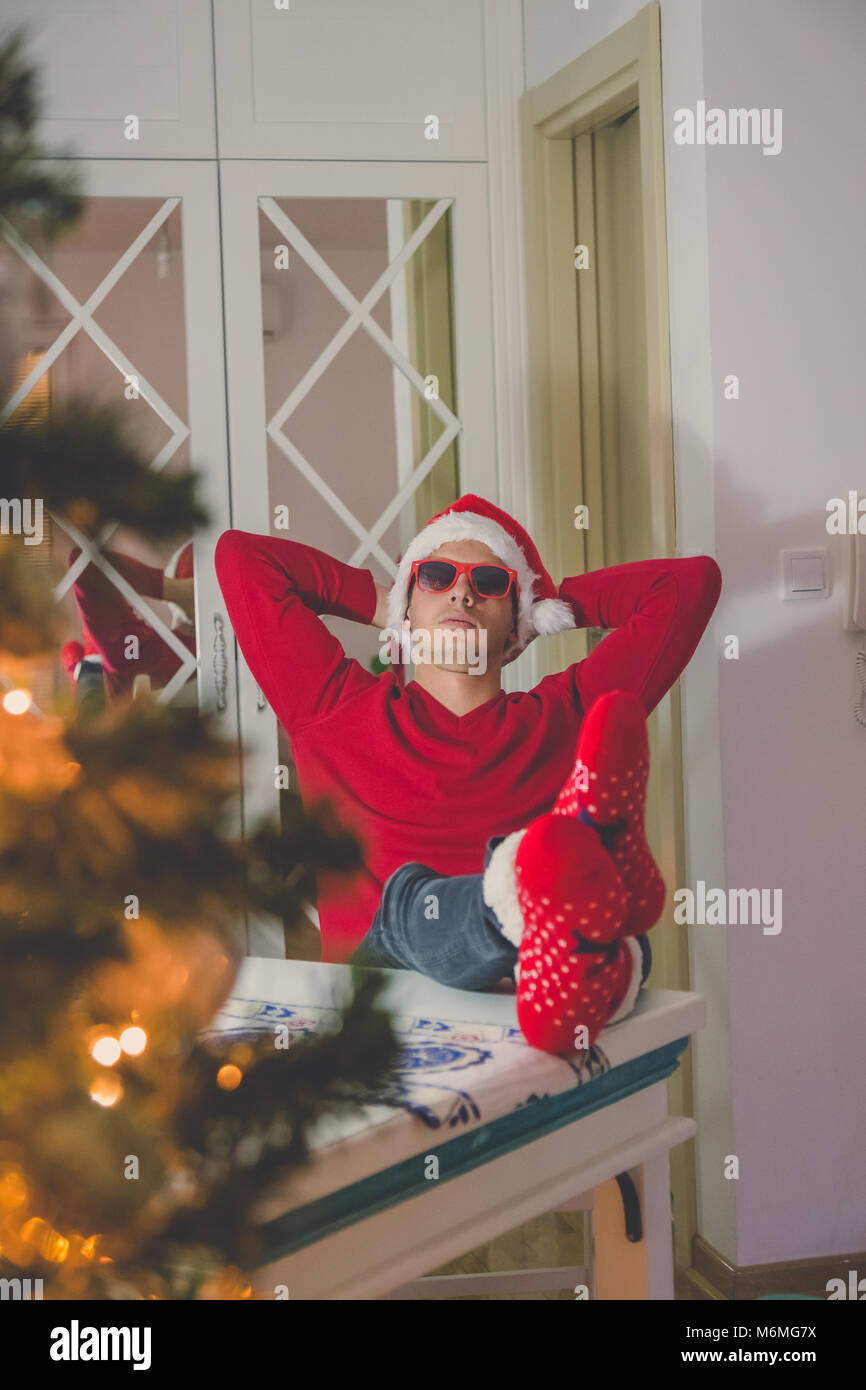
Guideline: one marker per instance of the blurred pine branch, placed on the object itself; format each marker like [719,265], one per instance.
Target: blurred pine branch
[122,891]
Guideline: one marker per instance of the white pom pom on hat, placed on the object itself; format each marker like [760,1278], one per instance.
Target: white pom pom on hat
[472,518]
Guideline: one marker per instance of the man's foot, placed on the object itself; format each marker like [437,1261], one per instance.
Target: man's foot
[572,901]
[607,790]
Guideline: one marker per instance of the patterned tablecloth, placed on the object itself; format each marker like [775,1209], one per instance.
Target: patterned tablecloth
[450,1074]
[464,1076]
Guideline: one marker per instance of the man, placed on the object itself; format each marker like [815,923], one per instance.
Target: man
[503,833]
[108,621]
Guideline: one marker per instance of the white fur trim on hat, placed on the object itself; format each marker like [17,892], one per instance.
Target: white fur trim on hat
[545,616]
[499,887]
[633,990]
[170,570]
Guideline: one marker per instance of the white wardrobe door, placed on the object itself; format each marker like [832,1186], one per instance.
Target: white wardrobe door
[121,80]
[333,79]
[360,375]
[126,309]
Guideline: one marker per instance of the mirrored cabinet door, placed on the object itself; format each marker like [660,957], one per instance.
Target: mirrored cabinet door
[125,309]
[359,375]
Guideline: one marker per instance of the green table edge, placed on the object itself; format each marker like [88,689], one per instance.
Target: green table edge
[305,1225]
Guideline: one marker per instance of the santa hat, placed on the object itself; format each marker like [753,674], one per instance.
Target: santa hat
[180,566]
[471,518]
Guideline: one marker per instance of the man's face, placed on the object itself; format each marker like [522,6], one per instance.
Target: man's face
[461,609]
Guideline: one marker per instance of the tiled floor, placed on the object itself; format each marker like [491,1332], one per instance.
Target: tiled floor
[547,1241]
[553,1239]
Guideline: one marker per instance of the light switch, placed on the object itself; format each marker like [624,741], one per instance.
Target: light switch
[808,574]
[805,574]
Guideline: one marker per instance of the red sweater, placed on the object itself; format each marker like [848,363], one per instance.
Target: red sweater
[108,620]
[414,781]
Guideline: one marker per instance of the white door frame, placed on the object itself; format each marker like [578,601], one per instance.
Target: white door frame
[243,184]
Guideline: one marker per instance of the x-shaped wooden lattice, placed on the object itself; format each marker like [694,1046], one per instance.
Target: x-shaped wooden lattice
[81,317]
[359,317]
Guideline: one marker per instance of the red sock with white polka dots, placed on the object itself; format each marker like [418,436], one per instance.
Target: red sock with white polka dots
[572,900]
[607,789]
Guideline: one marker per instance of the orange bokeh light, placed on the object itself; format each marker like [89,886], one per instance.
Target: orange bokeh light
[106,1090]
[133,1041]
[105,1050]
[17,701]
[13,1189]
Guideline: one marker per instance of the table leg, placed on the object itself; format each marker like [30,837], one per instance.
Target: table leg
[642,1269]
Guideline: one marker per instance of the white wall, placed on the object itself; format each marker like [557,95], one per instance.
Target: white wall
[788,302]
[784,298]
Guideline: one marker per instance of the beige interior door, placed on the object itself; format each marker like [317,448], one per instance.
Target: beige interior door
[613,417]
[613,343]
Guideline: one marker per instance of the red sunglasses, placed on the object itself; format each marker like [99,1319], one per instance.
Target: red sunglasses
[438,576]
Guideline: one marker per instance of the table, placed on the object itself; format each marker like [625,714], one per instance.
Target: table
[474,1133]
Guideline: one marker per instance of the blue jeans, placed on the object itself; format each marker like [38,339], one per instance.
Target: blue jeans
[441,926]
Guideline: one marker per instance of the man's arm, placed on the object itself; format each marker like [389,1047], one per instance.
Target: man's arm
[145,579]
[274,589]
[659,610]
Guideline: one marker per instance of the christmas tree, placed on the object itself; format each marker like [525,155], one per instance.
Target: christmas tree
[132,1152]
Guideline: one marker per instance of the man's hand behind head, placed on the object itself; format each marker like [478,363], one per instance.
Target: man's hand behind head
[380,616]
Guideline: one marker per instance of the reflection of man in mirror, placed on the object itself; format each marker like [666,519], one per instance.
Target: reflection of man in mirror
[503,833]
[118,644]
